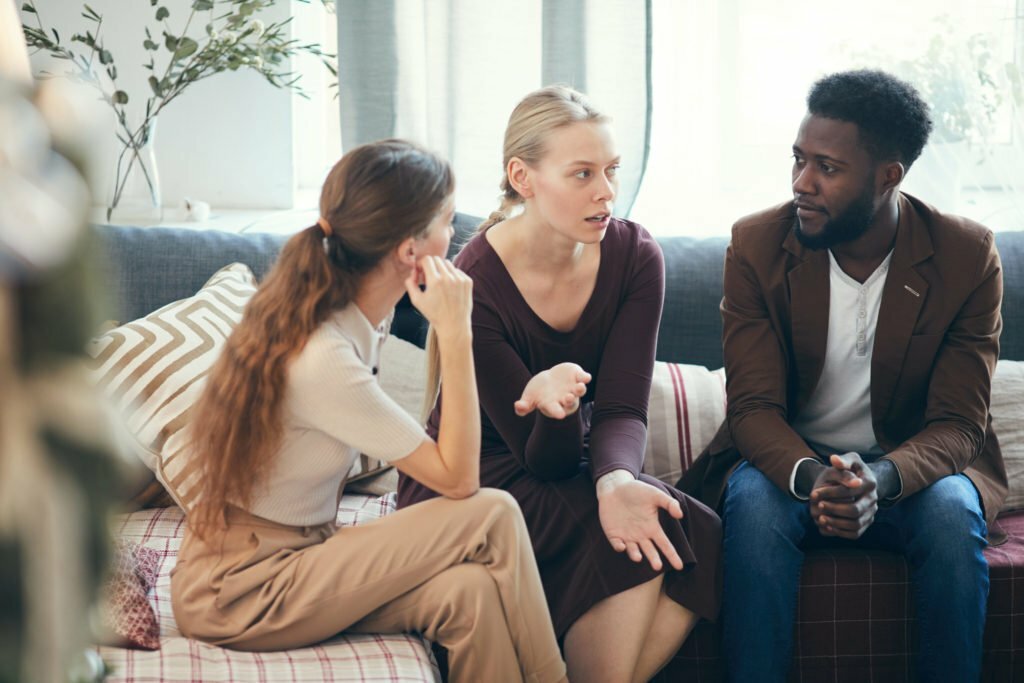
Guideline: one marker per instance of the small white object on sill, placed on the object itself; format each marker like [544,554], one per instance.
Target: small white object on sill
[196,211]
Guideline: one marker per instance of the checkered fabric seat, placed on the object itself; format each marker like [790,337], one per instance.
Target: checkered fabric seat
[357,657]
[855,620]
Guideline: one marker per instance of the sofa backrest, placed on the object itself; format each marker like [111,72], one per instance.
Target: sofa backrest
[691,326]
[149,267]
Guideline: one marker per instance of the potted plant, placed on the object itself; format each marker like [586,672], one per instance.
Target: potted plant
[212,37]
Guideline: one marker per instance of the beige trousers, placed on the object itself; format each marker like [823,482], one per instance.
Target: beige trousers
[461,572]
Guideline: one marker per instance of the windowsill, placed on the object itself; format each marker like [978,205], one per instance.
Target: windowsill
[274,221]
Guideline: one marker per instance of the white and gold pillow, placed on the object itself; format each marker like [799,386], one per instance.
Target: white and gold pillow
[154,369]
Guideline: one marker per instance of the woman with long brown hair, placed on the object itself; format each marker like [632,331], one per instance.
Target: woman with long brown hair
[292,402]
[567,302]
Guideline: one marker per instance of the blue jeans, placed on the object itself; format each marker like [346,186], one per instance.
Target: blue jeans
[940,530]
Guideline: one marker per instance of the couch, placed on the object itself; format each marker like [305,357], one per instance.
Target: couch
[836,639]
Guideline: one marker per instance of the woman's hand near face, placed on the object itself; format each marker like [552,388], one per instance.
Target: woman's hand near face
[447,300]
[555,392]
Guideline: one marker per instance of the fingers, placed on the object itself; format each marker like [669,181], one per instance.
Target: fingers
[859,509]
[649,548]
[668,503]
[849,461]
[838,462]
[524,407]
[633,551]
[583,377]
[552,409]
[668,550]
[651,553]
[832,492]
[412,287]
[431,269]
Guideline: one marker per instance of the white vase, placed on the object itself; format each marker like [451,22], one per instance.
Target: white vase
[134,196]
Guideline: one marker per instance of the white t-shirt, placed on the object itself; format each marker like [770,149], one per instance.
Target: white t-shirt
[837,417]
[334,409]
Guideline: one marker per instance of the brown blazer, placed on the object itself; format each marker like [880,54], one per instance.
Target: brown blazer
[936,345]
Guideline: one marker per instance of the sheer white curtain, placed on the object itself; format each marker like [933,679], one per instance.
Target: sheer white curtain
[730,78]
[706,96]
[447,73]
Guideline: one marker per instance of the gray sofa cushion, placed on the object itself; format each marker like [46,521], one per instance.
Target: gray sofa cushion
[149,267]
[1011,251]
[146,268]
[691,325]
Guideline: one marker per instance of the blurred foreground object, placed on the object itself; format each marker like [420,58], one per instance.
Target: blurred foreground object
[58,468]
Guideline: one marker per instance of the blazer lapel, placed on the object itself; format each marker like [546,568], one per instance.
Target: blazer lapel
[903,296]
[809,308]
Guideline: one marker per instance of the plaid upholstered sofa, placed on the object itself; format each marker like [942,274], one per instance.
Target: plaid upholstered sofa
[855,618]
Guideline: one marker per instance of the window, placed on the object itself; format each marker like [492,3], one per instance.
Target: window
[317,122]
[730,80]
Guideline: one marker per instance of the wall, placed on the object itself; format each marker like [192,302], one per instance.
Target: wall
[227,140]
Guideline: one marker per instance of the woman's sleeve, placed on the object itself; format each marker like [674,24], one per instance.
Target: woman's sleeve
[547,448]
[618,433]
[333,391]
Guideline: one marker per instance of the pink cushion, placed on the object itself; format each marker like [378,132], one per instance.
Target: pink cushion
[127,614]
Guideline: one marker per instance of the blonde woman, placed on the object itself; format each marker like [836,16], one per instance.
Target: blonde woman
[567,302]
[293,400]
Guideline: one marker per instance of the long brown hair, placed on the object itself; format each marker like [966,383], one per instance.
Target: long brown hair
[374,198]
[530,125]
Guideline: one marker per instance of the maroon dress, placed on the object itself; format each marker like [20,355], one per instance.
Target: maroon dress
[550,466]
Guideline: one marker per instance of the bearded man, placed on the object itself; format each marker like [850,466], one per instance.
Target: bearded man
[860,330]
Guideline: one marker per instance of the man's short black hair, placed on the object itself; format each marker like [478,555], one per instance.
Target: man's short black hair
[894,122]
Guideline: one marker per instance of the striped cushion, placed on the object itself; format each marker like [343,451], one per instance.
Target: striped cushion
[1008,423]
[154,369]
[687,405]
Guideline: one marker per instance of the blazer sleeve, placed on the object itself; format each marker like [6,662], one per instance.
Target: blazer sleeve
[756,374]
[959,391]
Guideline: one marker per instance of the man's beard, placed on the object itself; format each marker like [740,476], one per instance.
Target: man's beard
[846,227]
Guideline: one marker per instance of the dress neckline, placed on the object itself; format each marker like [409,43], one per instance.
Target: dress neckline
[586,315]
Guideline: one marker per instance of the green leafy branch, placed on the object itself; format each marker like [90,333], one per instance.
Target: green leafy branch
[234,38]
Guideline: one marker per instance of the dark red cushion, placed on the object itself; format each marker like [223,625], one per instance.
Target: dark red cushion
[855,616]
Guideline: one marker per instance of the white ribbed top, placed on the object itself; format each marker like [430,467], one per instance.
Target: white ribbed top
[334,410]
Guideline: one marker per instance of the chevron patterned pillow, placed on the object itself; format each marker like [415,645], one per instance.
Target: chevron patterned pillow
[154,369]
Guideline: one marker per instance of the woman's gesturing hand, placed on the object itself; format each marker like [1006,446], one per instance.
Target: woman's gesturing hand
[628,510]
[555,392]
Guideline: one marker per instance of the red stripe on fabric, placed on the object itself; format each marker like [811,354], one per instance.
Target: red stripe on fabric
[326,666]
[676,381]
[261,667]
[389,658]
[686,457]
[291,665]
